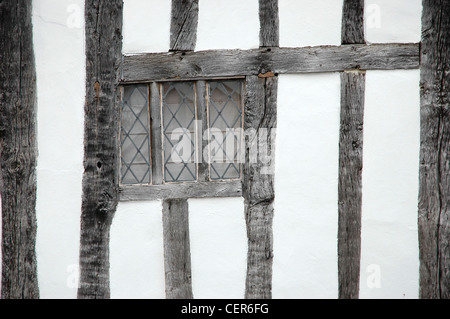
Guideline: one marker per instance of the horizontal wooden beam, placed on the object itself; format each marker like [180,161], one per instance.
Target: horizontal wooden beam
[225,63]
[180,191]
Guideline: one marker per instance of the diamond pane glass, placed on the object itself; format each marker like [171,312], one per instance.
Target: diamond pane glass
[135,136]
[179,115]
[225,123]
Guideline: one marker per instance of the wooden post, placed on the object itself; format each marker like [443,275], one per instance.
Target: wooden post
[101,168]
[353,22]
[258,186]
[260,115]
[183,28]
[177,253]
[351,158]
[350,182]
[269,34]
[18,151]
[434,189]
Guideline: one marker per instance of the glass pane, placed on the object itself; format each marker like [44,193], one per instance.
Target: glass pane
[225,123]
[179,115]
[135,136]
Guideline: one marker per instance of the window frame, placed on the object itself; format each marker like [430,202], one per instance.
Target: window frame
[204,186]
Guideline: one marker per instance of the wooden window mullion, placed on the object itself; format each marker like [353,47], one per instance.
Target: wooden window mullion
[202,111]
[156,134]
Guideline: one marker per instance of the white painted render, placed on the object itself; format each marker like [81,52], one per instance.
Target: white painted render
[228,24]
[306,182]
[390,185]
[310,23]
[147,26]
[137,251]
[305,234]
[393,21]
[218,247]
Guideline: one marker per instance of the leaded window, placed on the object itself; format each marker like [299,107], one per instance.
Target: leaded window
[196,130]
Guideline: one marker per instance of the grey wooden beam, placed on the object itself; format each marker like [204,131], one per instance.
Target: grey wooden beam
[156,134]
[182,190]
[350,183]
[177,254]
[225,63]
[202,113]
[258,187]
[260,115]
[18,151]
[269,34]
[101,144]
[434,176]
[353,22]
[351,158]
[183,28]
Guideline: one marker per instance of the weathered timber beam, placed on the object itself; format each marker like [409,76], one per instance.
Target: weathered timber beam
[231,63]
[180,191]
[350,182]
[258,186]
[183,27]
[18,151]
[351,158]
[177,253]
[353,22]
[258,183]
[269,34]
[434,173]
[101,144]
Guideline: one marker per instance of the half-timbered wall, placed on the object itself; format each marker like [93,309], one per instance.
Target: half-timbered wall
[305,226]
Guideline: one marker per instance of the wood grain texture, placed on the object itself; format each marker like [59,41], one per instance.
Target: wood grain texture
[258,188]
[434,189]
[202,144]
[269,34]
[156,134]
[225,63]
[183,28]
[182,190]
[353,22]
[177,254]
[101,149]
[350,182]
[18,151]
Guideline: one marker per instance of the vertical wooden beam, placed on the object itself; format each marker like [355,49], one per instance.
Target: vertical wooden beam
[350,182]
[202,110]
[177,254]
[353,22]
[258,186]
[269,33]
[156,134]
[434,189]
[18,151]
[351,158]
[183,28]
[100,179]
[260,115]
